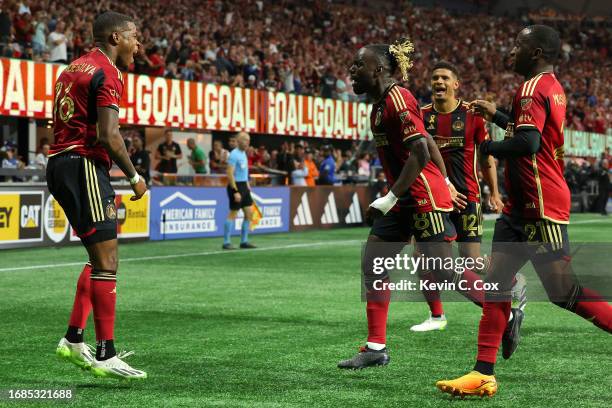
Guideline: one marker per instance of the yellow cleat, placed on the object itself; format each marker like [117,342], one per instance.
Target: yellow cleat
[472,383]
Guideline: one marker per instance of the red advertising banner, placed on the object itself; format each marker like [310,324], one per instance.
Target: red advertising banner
[26,90]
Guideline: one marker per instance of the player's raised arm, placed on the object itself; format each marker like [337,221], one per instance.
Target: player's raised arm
[110,138]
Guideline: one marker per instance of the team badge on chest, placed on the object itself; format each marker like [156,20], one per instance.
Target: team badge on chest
[458,125]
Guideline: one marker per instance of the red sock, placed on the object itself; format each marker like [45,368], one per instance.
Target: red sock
[103,299]
[432,296]
[377,310]
[475,295]
[82,300]
[597,311]
[491,329]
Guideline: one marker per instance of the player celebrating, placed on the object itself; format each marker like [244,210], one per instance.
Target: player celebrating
[538,209]
[458,132]
[419,200]
[87,138]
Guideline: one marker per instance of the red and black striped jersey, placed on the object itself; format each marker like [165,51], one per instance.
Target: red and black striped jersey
[395,119]
[458,134]
[90,82]
[535,183]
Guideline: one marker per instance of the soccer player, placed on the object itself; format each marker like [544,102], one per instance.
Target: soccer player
[419,201]
[239,193]
[458,133]
[87,141]
[538,209]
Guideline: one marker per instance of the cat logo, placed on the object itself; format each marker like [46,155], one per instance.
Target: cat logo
[525,103]
[458,125]
[378,117]
[432,122]
[21,216]
[30,216]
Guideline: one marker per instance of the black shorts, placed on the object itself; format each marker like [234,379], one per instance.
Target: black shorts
[546,241]
[82,187]
[400,226]
[245,194]
[468,223]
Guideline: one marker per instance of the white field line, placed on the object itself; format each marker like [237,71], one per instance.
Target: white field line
[272,248]
[190,254]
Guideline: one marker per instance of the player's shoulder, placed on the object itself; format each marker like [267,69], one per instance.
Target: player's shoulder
[109,69]
[400,98]
[543,84]
[427,108]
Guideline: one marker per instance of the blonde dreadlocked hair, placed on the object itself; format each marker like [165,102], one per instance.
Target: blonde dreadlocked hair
[401,51]
[396,56]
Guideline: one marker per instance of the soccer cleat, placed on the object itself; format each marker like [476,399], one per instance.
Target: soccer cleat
[519,292]
[228,246]
[366,358]
[114,367]
[472,383]
[247,245]
[512,334]
[78,354]
[432,323]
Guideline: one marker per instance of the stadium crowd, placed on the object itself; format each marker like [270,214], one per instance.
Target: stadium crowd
[306,46]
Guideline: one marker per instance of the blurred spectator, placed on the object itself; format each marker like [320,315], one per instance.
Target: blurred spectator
[197,160]
[300,170]
[232,142]
[363,165]
[305,47]
[603,179]
[6,27]
[313,171]
[167,153]
[39,40]
[10,161]
[328,167]
[261,157]
[217,158]
[42,158]
[24,29]
[140,158]
[58,44]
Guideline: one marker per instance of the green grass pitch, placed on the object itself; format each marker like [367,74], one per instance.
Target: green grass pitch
[266,328]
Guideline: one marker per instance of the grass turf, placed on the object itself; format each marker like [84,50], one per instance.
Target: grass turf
[266,329]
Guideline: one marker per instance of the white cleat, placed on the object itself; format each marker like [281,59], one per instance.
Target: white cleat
[432,323]
[114,367]
[78,354]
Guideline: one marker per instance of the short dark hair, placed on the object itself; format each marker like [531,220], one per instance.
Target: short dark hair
[446,65]
[546,38]
[107,23]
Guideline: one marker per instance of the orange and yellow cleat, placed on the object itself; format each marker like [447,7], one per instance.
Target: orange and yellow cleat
[472,383]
